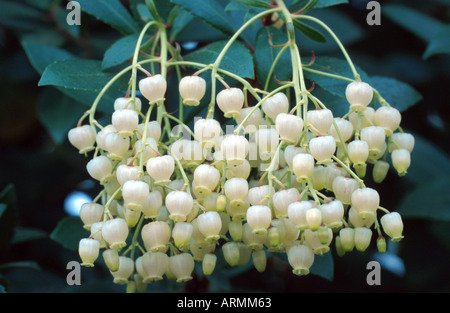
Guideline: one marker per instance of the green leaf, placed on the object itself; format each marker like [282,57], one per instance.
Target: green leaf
[181,21]
[256,3]
[329,3]
[398,94]
[120,51]
[309,31]
[80,74]
[23,264]
[144,13]
[69,232]
[323,266]
[41,55]
[429,201]
[210,11]
[439,43]
[25,234]
[333,66]
[420,24]
[237,59]
[152,9]
[58,113]
[8,216]
[111,12]
[304,5]
[60,15]
[265,56]
[428,162]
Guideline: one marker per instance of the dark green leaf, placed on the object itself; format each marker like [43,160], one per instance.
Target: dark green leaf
[334,66]
[61,19]
[152,9]
[398,94]
[428,201]
[210,11]
[164,8]
[8,216]
[428,162]
[69,232]
[121,51]
[80,74]
[58,113]
[181,21]
[256,3]
[329,3]
[111,12]
[323,266]
[309,31]
[41,55]
[265,56]
[420,24]
[439,43]
[237,59]
[144,13]
[24,234]
[304,5]
[23,264]
[196,30]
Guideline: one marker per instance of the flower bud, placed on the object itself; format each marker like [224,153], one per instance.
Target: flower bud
[156,235]
[235,149]
[289,127]
[206,178]
[131,217]
[82,138]
[90,213]
[179,204]
[389,118]
[380,170]
[259,260]
[111,258]
[244,254]
[88,249]
[381,245]
[363,236]
[221,203]
[182,265]
[127,103]
[182,234]
[365,201]
[192,89]
[303,166]
[161,168]
[320,120]
[252,123]
[313,218]
[207,131]
[100,168]
[322,234]
[209,263]
[301,258]
[153,88]
[343,187]
[282,199]
[359,95]
[375,138]
[235,229]
[392,225]
[339,249]
[322,149]
[356,221]
[401,160]
[230,101]
[135,193]
[345,129]
[332,214]
[210,224]
[251,240]
[115,233]
[154,265]
[347,236]
[318,177]
[126,269]
[125,121]
[231,253]
[259,218]
[275,104]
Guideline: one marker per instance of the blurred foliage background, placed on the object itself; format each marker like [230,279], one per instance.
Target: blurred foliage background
[41,173]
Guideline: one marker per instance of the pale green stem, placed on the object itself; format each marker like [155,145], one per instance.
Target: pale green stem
[272,68]
[144,141]
[348,169]
[180,123]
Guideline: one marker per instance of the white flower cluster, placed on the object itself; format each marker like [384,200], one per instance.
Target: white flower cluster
[276,183]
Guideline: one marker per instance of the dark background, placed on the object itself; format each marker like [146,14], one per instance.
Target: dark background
[44,173]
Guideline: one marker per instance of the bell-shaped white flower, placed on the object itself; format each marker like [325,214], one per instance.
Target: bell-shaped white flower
[88,249]
[135,193]
[116,145]
[153,130]
[392,225]
[82,138]
[236,190]
[313,240]
[320,121]
[359,95]
[332,214]
[401,160]
[289,153]
[154,265]
[402,141]
[358,152]
[182,265]
[161,168]
[100,168]
[275,104]
[125,121]
[152,204]
[260,195]
[156,236]
[301,258]
[115,233]
[297,213]
[210,224]
[252,122]
[91,213]
[207,131]
[153,88]
[241,171]
[289,127]
[230,101]
[259,218]
[347,236]
[375,137]
[127,103]
[235,149]
[389,118]
[365,118]
[179,204]
[380,171]
[182,234]
[363,237]
[345,129]
[282,199]
[127,172]
[322,148]
[343,187]
[267,140]
[101,136]
[365,201]
[126,269]
[192,89]
[206,178]
[303,166]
